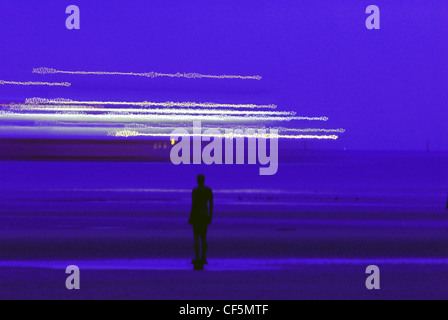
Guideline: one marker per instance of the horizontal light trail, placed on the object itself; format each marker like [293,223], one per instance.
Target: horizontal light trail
[170,127]
[160,128]
[143,118]
[311,130]
[168,104]
[128,133]
[79,108]
[151,75]
[122,119]
[31,83]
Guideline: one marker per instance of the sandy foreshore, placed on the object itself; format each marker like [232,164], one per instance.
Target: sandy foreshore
[148,258]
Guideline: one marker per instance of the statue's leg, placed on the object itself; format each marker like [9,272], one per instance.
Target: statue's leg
[204,244]
[196,242]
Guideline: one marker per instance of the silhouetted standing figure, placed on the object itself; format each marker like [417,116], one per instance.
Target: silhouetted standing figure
[201,217]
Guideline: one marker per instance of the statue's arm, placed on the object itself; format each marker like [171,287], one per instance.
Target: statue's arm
[211,206]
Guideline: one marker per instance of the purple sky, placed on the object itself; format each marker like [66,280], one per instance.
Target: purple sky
[387,88]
